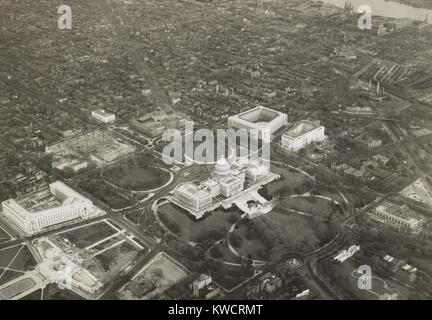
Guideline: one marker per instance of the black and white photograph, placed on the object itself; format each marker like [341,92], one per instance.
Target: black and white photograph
[198,153]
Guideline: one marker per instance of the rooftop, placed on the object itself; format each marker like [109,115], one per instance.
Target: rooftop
[302,127]
[58,194]
[259,114]
[42,201]
[102,113]
[403,211]
[192,190]
[230,180]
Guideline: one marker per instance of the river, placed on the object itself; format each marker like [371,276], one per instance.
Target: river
[387,8]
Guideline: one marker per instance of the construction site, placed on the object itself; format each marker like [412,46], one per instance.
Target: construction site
[99,147]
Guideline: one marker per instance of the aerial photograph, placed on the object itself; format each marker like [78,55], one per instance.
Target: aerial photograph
[223,150]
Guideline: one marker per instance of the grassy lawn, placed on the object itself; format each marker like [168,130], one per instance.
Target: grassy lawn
[137,178]
[212,227]
[18,258]
[295,181]
[316,206]
[87,235]
[35,295]
[115,200]
[105,259]
[230,276]
[252,247]
[293,231]
[53,292]
[133,217]
[94,185]
[24,261]
[195,172]
[8,275]
[6,255]
[424,263]
[18,287]
[4,236]
[108,243]
[341,274]
[223,253]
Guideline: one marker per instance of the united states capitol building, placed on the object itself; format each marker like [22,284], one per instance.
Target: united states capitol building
[229,183]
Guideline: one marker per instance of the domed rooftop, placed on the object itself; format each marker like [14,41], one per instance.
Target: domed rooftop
[222,167]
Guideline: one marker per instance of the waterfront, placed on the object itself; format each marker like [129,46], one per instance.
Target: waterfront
[388,9]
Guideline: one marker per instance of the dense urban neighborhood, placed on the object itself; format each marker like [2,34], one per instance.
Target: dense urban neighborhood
[316,136]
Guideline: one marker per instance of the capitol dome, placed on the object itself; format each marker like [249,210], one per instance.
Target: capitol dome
[222,168]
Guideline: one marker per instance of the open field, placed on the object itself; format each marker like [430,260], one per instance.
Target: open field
[292,182]
[4,236]
[221,252]
[292,231]
[251,247]
[134,216]
[211,228]
[89,234]
[195,172]
[93,184]
[7,255]
[229,276]
[104,249]
[160,274]
[137,178]
[423,262]
[8,275]
[35,295]
[52,292]
[16,288]
[346,277]
[14,261]
[299,230]
[317,207]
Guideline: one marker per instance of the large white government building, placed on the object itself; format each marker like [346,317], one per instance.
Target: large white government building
[49,208]
[302,134]
[262,119]
[103,116]
[226,181]
[193,197]
[400,216]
